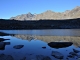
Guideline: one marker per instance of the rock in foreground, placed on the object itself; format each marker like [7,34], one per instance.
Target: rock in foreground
[6,57]
[41,57]
[18,46]
[59,44]
[57,55]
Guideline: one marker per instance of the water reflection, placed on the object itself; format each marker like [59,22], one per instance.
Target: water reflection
[33,48]
[74,39]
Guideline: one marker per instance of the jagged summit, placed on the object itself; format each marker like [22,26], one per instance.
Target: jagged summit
[68,14]
[27,16]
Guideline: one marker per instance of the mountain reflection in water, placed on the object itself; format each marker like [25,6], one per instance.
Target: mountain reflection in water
[32,48]
[74,39]
[35,47]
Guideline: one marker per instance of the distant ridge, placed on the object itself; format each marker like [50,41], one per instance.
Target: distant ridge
[68,14]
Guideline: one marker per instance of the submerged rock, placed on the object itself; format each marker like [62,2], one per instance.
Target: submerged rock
[18,46]
[24,58]
[72,54]
[44,47]
[57,55]
[6,57]
[78,56]
[76,51]
[42,57]
[59,44]
[2,45]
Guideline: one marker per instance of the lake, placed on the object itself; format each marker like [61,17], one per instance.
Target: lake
[33,44]
[53,32]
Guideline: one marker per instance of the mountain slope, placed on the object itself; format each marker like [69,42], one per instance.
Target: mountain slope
[28,16]
[68,14]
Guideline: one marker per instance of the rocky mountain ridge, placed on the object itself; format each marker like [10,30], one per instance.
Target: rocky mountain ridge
[68,14]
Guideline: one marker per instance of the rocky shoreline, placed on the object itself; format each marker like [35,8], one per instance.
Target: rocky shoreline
[7,24]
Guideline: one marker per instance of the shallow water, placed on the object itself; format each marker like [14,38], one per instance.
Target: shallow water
[35,40]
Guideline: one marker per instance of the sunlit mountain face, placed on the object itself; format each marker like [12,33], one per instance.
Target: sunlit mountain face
[68,14]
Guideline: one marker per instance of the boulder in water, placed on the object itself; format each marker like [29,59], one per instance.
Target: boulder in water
[57,55]
[18,46]
[59,44]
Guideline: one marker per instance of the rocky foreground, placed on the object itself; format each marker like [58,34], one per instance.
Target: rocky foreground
[39,24]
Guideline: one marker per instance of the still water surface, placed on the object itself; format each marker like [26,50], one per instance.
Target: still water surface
[32,49]
[53,32]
